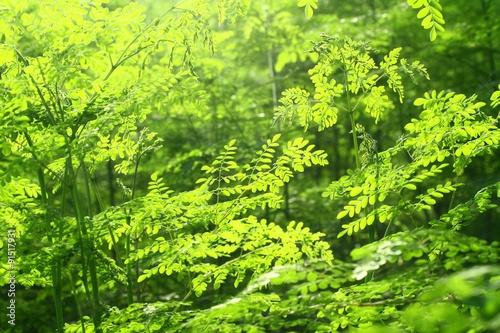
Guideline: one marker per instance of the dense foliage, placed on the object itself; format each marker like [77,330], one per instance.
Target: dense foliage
[249,166]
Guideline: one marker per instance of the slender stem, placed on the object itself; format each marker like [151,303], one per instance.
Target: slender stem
[86,182]
[95,292]
[85,247]
[453,196]
[452,201]
[78,307]
[115,247]
[111,188]
[122,57]
[137,289]
[387,229]
[57,290]
[136,239]
[92,264]
[37,87]
[274,91]
[110,230]
[42,165]
[286,195]
[351,118]
[130,297]
[136,171]
[372,227]
[355,139]
[371,230]
[209,274]
[56,268]
[354,136]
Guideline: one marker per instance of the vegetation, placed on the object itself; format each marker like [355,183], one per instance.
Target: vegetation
[249,166]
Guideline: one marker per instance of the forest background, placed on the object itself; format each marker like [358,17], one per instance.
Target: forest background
[250,166]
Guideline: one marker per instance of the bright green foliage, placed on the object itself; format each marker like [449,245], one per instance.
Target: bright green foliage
[309,6]
[230,10]
[495,98]
[452,127]
[430,14]
[346,71]
[262,173]
[234,245]
[107,112]
[397,187]
[463,214]
[75,93]
[257,243]
[317,297]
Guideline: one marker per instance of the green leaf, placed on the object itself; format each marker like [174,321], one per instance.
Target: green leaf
[410,187]
[309,12]
[423,12]
[347,210]
[433,34]
[420,101]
